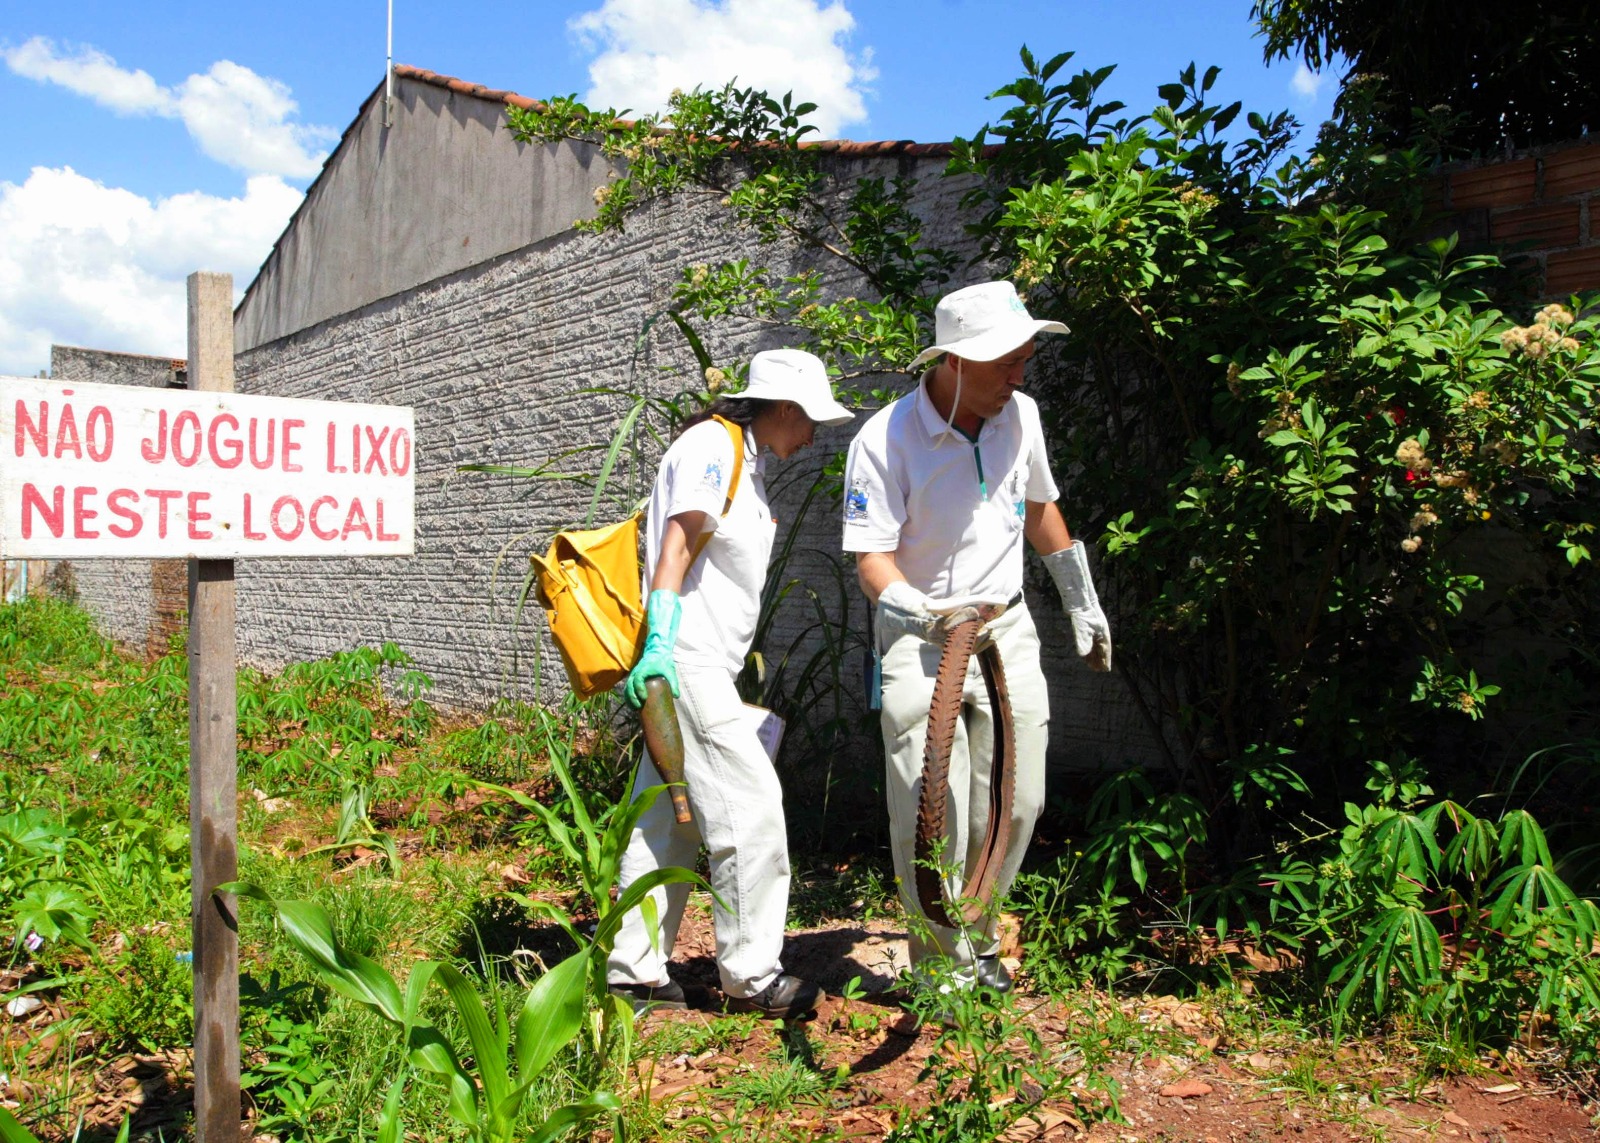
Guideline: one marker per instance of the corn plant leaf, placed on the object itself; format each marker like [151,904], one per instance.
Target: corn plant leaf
[559,752]
[364,981]
[391,1128]
[416,985]
[620,1019]
[605,933]
[551,1016]
[652,922]
[488,1051]
[554,912]
[427,1050]
[620,830]
[621,437]
[350,974]
[564,1118]
[13,1132]
[517,796]
[696,346]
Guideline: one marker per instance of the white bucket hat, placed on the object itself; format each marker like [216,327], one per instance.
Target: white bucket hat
[798,376]
[983,322]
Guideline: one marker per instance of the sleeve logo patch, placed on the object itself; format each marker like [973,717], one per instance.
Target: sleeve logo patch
[855,502]
[713,476]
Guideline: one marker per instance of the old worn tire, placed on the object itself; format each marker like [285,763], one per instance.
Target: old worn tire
[933,802]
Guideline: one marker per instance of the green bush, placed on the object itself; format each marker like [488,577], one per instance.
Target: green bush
[1346,506]
[1343,481]
[1314,449]
[1458,921]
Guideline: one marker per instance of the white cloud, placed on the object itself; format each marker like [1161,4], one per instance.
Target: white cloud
[94,74]
[648,47]
[240,118]
[1307,84]
[235,116]
[86,264]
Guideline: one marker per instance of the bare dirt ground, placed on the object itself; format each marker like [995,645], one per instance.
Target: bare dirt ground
[1200,1090]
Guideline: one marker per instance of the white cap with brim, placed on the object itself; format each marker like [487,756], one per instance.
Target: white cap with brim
[798,376]
[983,322]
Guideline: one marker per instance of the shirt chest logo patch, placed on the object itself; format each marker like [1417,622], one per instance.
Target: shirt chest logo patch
[855,502]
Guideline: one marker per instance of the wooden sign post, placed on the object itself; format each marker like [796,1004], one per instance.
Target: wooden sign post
[93,471]
[213,764]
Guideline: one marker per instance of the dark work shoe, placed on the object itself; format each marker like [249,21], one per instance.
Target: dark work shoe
[786,998]
[644,997]
[992,974]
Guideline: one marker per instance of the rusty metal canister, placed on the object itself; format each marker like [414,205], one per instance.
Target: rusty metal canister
[664,739]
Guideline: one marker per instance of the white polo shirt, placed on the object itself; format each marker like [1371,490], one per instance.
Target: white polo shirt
[950,508]
[722,591]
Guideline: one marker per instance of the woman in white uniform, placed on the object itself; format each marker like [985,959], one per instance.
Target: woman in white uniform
[701,615]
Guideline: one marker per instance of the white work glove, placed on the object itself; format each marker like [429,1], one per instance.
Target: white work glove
[1070,569]
[903,610]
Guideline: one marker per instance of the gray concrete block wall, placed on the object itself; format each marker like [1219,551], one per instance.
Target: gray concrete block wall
[129,598]
[493,358]
[442,189]
[71,363]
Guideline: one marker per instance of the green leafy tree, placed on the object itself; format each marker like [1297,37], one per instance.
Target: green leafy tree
[1500,76]
[1300,428]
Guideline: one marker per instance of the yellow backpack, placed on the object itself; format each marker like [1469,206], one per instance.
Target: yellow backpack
[589,584]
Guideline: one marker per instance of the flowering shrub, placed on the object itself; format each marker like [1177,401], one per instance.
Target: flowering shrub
[1306,434]
[1347,506]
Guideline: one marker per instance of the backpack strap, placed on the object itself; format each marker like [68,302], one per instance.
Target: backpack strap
[736,434]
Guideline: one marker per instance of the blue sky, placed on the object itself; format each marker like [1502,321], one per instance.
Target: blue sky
[142,140]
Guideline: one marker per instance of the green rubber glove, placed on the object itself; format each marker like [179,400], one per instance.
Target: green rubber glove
[662,612]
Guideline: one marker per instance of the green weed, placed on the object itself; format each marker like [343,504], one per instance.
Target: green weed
[701,1034]
[141,998]
[776,1088]
[989,1067]
[857,890]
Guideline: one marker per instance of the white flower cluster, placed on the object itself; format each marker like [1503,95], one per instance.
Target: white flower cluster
[1544,337]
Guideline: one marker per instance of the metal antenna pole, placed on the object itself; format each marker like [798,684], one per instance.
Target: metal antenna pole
[388,74]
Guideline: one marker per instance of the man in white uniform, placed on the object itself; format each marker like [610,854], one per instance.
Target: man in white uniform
[941,490]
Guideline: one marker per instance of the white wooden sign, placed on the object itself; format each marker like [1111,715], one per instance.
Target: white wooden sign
[112,471]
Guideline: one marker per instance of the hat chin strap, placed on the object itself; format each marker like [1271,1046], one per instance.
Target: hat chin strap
[949,422]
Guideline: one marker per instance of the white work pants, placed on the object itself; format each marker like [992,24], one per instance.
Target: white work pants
[910,665]
[738,812]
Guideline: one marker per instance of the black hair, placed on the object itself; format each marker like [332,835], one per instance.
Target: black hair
[742,411]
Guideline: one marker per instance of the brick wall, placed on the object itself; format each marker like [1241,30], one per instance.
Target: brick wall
[1537,209]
